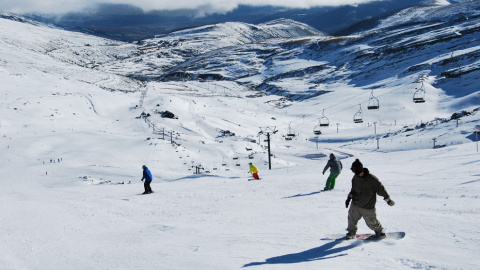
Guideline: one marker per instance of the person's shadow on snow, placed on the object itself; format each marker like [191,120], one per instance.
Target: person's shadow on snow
[327,251]
[302,195]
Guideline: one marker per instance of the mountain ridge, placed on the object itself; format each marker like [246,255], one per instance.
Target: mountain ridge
[133,24]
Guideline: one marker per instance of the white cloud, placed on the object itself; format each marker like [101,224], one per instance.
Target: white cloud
[211,6]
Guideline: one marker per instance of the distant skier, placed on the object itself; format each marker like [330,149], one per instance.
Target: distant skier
[365,187]
[254,171]
[336,167]
[147,176]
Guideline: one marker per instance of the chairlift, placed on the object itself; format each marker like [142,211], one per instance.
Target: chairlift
[373,102]
[419,95]
[324,122]
[316,130]
[358,117]
[291,131]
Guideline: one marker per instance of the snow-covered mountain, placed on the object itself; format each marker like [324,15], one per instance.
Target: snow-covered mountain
[439,41]
[183,47]
[73,144]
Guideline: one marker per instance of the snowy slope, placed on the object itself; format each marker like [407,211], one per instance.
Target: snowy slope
[73,146]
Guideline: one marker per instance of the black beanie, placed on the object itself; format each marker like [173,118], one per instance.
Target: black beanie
[357,166]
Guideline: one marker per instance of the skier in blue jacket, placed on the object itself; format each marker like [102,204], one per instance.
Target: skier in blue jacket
[147,176]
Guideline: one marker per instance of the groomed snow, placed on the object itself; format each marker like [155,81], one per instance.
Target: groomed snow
[72,152]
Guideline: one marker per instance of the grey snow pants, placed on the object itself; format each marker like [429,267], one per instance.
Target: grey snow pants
[355,213]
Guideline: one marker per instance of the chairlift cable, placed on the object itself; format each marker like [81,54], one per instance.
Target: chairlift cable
[334,105]
[349,107]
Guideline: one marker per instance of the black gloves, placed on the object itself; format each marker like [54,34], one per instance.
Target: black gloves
[390,202]
[347,202]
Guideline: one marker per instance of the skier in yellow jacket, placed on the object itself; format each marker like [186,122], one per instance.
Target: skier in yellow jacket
[254,171]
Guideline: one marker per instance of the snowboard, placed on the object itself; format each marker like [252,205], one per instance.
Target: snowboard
[367,236]
[251,179]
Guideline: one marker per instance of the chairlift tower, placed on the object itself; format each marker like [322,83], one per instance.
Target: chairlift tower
[268,131]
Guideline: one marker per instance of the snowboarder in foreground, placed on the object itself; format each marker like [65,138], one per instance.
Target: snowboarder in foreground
[147,176]
[336,167]
[365,187]
[254,171]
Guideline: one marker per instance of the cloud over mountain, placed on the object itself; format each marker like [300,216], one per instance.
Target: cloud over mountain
[203,6]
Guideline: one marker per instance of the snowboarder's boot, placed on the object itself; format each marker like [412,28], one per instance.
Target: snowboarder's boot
[350,236]
[380,235]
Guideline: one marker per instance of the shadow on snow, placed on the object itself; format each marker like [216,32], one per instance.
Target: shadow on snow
[327,251]
[196,176]
[302,195]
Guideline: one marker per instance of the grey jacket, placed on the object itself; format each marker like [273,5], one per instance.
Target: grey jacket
[334,164]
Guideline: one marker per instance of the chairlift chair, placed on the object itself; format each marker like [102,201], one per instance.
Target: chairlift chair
[316,130]
[291,132]
[373,102]
[419,95]
[358,117]
[324,122]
